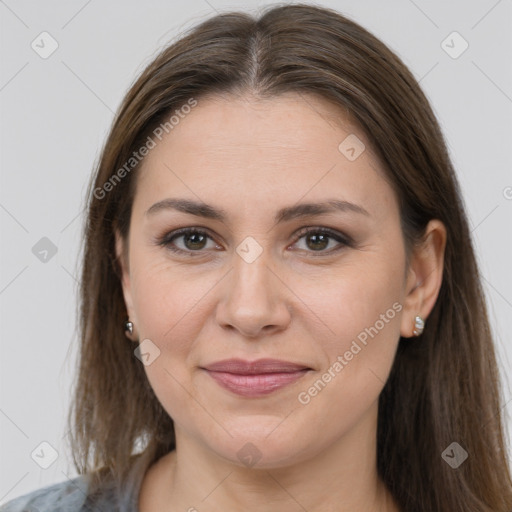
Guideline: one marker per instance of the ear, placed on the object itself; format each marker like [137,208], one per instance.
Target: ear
[424,277]
[122,258]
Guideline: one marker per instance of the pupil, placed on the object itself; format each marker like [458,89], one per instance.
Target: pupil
[191,238]
[322,238]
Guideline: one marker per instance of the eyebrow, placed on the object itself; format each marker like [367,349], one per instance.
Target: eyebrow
[300,210]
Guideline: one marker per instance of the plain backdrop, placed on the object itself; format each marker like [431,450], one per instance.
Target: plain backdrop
[56,110]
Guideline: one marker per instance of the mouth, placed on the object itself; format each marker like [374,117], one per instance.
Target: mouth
[255,378]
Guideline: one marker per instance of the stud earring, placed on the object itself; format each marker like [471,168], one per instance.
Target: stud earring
[128,327]
[419,325]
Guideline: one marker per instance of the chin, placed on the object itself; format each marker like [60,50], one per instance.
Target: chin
[262,446]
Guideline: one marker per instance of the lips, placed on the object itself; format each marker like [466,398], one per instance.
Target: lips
[255,378]
[261,366]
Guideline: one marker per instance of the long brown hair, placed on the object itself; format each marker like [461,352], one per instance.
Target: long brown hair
[443,388]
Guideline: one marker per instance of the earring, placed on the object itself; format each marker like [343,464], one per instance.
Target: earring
[419,325]
[128,327]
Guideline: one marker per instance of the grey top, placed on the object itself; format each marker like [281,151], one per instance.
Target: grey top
[72,496]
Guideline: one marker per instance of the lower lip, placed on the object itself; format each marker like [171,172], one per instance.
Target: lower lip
[255,385]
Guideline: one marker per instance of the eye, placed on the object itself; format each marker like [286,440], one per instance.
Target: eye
[193,240]
[318,239]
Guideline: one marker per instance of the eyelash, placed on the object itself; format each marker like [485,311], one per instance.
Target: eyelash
[167,239]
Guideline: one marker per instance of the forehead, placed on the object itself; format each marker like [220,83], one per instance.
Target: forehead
[243,149]
[289,121]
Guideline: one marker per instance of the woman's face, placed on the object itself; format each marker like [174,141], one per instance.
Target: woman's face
[254,285]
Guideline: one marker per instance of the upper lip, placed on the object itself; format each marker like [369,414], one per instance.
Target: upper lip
[242,367]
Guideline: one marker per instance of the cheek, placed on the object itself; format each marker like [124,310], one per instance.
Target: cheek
[362,295]
[170,313]
[366,320]
[360,307]
[166,298]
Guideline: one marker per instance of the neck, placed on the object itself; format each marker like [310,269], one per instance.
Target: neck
[342,478]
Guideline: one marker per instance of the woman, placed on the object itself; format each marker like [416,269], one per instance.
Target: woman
[276,227]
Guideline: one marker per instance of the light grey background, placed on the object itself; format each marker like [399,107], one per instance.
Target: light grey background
[55,113]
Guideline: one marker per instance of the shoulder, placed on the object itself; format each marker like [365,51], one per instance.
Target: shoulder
[79,494]
[67,496]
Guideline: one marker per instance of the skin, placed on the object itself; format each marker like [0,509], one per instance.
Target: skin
[299,301]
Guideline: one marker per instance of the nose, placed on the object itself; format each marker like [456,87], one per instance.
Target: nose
[255,300]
